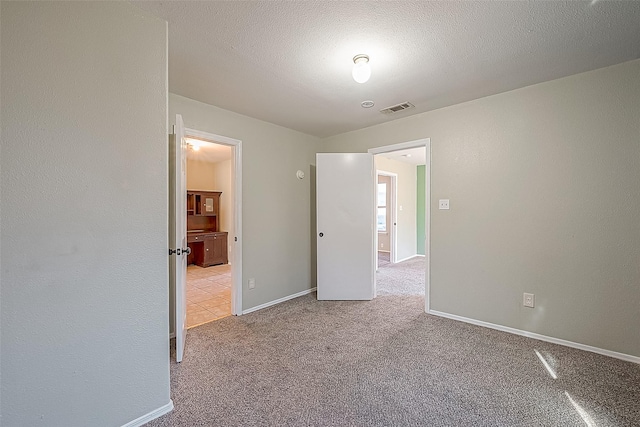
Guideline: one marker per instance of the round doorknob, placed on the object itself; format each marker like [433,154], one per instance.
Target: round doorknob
[321,234]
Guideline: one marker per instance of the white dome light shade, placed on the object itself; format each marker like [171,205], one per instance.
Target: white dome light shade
[361,68]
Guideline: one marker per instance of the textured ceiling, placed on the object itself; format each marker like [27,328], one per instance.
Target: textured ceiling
[290,63]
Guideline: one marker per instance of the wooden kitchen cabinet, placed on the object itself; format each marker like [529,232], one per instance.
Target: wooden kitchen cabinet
[210,203]
[208,248]
[203,210]
[215,247]
[203,203]
[219,246]
[208,245]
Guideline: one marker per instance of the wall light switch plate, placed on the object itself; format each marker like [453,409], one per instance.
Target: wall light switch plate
[443,204]
[252,283]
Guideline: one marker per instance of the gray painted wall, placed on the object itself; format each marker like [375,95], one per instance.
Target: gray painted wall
[277,241]
[545,198]
[84,214]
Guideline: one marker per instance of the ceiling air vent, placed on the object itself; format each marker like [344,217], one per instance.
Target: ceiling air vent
[396,108]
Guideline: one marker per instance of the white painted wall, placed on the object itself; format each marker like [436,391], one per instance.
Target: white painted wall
[544,190]
[200,175]
[203,175]
[406,197]
[278,246]
[84,304]
[222,181]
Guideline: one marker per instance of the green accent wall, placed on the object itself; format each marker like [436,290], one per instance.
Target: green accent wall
[420,209]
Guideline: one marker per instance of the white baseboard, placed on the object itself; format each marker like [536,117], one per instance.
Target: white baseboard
[151,415]
[407,258]
[420,255]
[610,353]
[278,301]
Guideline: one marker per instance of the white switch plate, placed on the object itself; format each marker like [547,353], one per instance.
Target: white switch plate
[252,283]
[529,300]
[443,204]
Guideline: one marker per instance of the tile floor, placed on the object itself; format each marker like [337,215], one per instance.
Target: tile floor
[208,294]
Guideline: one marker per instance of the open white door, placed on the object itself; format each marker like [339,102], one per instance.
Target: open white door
[178,231]
[345,191]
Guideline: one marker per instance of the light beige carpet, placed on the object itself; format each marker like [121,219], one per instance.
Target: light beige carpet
[387,363]
[404,278]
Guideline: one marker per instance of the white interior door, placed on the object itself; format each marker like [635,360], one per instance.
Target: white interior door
[345,194]
[178,231]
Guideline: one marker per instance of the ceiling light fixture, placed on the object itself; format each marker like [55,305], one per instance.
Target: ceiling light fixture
[361,68]
[367,104]
[194,144]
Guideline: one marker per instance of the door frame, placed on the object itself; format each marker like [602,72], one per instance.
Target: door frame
[424,142]
[236,265]
[393,215]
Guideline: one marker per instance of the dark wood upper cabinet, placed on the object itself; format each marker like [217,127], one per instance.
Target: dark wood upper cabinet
[203,210]
[191,204]
[203,203]
[210,204]
[208,243]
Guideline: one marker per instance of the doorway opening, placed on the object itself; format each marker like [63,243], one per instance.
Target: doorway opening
[403,179]
[214,227]
[386,212]
[209,225]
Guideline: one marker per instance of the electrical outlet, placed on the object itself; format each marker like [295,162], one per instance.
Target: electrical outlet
[252,283]
[529,300]
[443,204]
[382,245]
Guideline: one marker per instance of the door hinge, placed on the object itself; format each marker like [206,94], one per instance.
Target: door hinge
[179,251]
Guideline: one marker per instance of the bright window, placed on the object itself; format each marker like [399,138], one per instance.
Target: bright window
[382,206]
